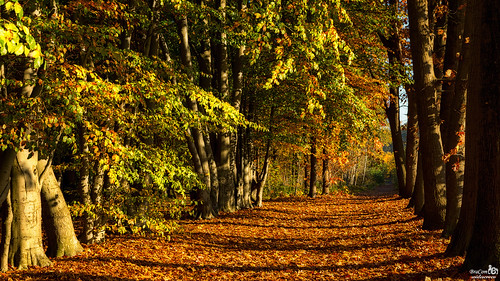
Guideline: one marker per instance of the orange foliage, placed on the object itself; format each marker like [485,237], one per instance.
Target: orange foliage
[339,237]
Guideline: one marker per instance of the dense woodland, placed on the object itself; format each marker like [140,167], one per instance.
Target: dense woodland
[130,115]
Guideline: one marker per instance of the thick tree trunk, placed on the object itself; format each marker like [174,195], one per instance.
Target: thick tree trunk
[428,115]
[206,73]
[483,104]
[225,165]
[454,32]
[243,168]
[6,161]
[26,247]
[313,177]
[59,228]
[7,218]
[226,175]
[455,116]
[93,221]
[205,209]
[196,141]
[462,233]
[93,232]
[244,165]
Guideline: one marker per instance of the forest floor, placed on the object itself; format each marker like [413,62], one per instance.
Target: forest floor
[367,236]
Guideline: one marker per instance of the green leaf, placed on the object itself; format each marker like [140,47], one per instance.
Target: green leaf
[25,29]
[8,6]
[31,41]
[38,62]
[11,47]
[19,50]
[18,10]
[11,26]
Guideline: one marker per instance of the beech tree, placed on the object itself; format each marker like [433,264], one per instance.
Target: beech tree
[452,112]
[421,37]
[483,161]
[23,175]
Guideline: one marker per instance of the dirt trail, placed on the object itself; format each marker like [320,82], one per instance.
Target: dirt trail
[336,237]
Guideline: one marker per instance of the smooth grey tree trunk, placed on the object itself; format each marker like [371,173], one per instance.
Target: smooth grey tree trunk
[26,247]
[225,165]
[57,219]
[196,140]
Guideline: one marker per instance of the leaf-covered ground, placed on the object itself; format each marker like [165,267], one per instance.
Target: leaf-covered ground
[337,237]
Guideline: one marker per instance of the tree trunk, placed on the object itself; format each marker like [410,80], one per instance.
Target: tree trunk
[59,228]
[454,32]
[246,163]
[418,191]
[196,141]
[225,165]
[206,73]
[261,182]
[7,218]
[313,178]
[262,176]
[93,223]
[326,173]
[365,165]
[455,119]
[453,145]
[6,161]
[244,168]
[93,231]
[395,55]
[26,247]
[411,142]
[428,117]
[392,112]
[205,208]
[242,164]
[483,103]
[462,233]
[246,201]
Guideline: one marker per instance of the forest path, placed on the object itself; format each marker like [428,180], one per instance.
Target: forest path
[334,237]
